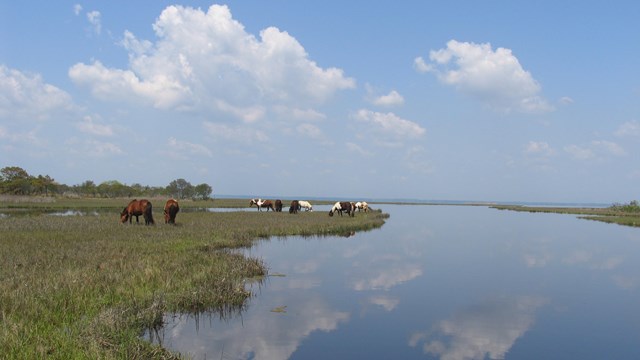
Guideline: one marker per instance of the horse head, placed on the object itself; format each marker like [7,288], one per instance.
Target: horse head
[124,215]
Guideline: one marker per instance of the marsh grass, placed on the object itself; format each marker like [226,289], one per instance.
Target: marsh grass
[78,287]
[614,214]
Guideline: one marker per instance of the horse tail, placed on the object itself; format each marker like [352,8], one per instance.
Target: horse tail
[148,213]
[173,211]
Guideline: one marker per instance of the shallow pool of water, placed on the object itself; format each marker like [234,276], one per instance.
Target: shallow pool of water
[436,282]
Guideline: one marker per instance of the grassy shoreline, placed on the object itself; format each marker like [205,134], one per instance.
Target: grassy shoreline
[613,215]
[87,286]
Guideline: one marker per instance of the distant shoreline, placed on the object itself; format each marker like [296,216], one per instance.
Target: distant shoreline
[428,202]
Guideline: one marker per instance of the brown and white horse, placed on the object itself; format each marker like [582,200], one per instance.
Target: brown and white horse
[255,202]
[171,208]
[362,206]
[262,204]
[136,208]
[343,206]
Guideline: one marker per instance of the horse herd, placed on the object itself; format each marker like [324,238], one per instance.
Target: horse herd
[296,205]
[143,207]
[276,206]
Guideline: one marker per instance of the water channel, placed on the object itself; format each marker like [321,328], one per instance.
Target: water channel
[436,282]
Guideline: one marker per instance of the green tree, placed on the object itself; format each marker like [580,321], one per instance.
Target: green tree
[114,188]
[202,191]
[15,180]
[88,188]
[138,189]
[44,184]
[180,188]
[11,173]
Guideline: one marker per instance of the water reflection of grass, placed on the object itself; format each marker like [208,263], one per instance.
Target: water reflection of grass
[87,286]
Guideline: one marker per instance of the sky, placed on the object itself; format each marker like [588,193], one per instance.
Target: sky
[535,101]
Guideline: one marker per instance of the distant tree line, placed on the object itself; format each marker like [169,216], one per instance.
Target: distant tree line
[17,181]
[632,207]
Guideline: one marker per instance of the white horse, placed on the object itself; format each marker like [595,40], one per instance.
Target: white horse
[362,206]
[306,205]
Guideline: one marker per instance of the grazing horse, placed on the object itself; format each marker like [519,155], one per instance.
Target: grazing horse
[295,207]
[306,205]
[171,208]
[343,206]
[136,208]
[278,205]
[362,206]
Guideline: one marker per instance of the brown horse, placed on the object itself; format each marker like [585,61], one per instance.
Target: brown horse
[278,205]
[137,208]
[171,208]
[295,207]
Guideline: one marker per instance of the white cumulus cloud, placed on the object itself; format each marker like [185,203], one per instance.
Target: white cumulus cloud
[391,99]
[390,124]
[495,77]
[25,96]
[421,66]
[207,60]
[124,85]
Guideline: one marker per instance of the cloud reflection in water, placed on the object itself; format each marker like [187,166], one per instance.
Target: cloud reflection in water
[269,334]
[487,329]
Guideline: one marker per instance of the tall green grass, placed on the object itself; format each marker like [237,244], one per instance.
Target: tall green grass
[86,287]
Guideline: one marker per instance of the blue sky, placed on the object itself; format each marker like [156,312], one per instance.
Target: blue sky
[456,100]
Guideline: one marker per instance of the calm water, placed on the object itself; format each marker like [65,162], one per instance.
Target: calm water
[437,282]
